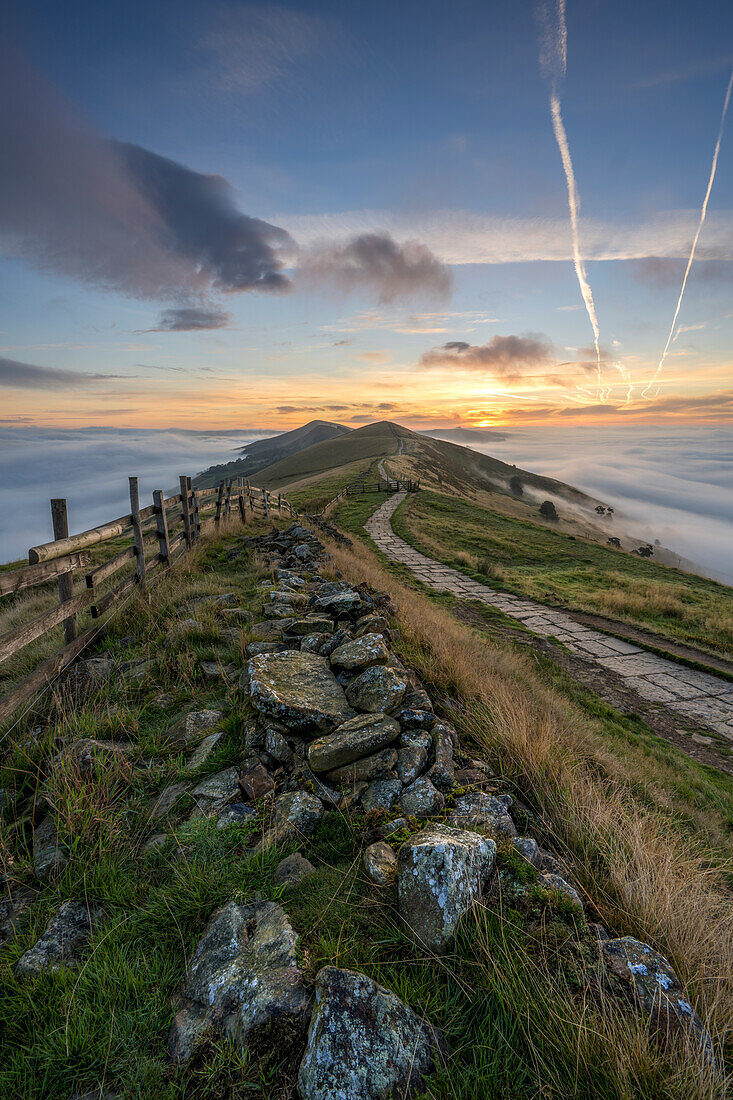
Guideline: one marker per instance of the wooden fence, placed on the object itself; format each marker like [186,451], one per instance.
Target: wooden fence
[356,488]
[146,541]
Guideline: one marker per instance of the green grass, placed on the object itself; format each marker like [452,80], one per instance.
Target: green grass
[559,569]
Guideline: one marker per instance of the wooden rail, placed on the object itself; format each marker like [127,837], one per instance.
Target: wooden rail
[143,543]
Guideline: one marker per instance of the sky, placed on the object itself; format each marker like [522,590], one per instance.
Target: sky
[233,215]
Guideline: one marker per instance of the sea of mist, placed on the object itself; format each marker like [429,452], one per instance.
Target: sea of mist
[90,467]
[674,484]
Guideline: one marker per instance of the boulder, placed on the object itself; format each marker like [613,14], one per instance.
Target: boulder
[215,792]
[292,869]
[363,1042]
[361,771]
[556,884]
[49,858]
[297,814]
[244,975]
[256,782]
[82,755]
[378,689]
[485,812]
[421,799]
[333,641]
[443,770]
[192,727]
[214,671]
[297,690]
[237,813]
[413,718]
[64,940]
[527,847]
[411,762]
[15,900]
[652,985]
[312,643]
[360,653]
[205,749]
[441,873]
[358,737]
[340,603]
[270,631]
[381,794]
[292,599]
[166,800]
[254,649]
[380,863]
[277,746]
[311,624]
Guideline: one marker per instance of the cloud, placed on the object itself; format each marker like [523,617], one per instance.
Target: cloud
[190,319]
[117,216]
[663,273]
[504,356]
[26,376]
[376,262]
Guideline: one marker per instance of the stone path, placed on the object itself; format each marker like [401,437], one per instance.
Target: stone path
[697,697]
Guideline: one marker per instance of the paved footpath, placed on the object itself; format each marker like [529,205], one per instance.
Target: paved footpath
[698,697]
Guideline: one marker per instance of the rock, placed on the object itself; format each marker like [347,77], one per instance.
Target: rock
[527,847]
[312,643]
[164,700]
[136,670]
[82,755]
[421,799]
[291,599]
[277,746]
[390,827]
[360,653]
[412,718]
[340,603]
[192,727]
[443,770]
[61,945]
[358,737]
[378,689]
[238,813]
[380,863]
[558,885]
[297,814]
[167,799]
[371,624]
[316,786]
[97,669]
[652,985]
[363,1042]
[205,749]
[484,812]
[411,762]
[441,873]
[333,641]
[292,869]
[269,631]
[471,777]
[244,975]
[360,771]
[256,782]
[215,670]
[155,843]
[381,794]
[236,615]
[311,624]
[49,857]
[15,900]
[298,690]
[255,648]
[216,792]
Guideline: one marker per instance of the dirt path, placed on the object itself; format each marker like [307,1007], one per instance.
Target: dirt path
[636,680]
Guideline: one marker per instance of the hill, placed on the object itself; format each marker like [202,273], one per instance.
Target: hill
[477,436]
[264,452]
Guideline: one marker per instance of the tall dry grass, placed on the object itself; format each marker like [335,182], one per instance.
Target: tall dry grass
[641,875]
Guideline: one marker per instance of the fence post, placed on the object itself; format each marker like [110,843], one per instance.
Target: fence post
[161,527]
[219,500]
[60,521]
[227,498]
[137,531]
[183,482]
[264,501]
[196,517]
[279,502]
[240,498]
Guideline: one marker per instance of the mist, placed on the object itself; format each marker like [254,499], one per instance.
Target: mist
[90,467]
[672,484]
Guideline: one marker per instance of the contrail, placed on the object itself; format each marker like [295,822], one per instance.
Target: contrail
[553,59]
[703,212]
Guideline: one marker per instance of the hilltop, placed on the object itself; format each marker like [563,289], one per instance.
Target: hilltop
[264,452]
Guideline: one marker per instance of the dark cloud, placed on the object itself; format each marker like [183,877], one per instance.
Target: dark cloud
[504,356]
[15,375]
[663,273]
[190,319]
[376,262]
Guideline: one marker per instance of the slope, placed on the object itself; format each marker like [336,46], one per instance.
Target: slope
[264,452]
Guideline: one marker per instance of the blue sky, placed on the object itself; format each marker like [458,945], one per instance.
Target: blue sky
[428,122]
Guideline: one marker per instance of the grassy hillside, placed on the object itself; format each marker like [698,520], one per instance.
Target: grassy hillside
[374,441]
[263,452]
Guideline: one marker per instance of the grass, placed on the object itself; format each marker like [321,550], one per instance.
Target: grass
[560,569]
[519,998]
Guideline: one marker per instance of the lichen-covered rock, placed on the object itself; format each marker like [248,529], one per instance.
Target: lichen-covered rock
[443,770]
[215,792]
[296,815]
[485,812]
[312,643]
[164,802]
[358,737]
[298,690]
[292,869]
[83,754]
[256,782]
[64,940]
[243,976]
[340,603]
[270,631]
[421,799]
[311,624]
[413,718]
[411,762]
[527,847]
[378,689]
[363,1042]
[205,749]
[441,873]
[381,794]
[236,813]
[292,599]
[652,985]
[360,653]
[361,771]
[334,641]
[192,727]
[277,746]
[558,885]
[216,670]
[15,900]
[254,649]
[380,863]
[49,857]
